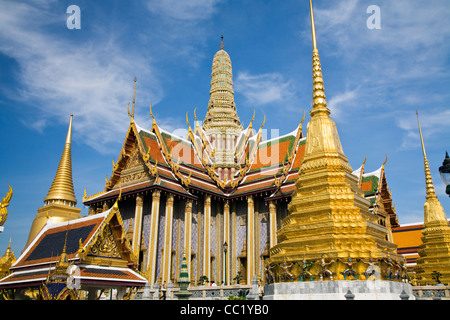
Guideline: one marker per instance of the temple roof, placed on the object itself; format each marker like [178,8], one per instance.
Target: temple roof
[184,166]
[84,240]
[376,190]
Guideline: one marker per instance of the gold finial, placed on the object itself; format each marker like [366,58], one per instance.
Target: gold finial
[62,186]
[128,110]
[428,177]
[251,121]
[385,161]
[264,122]
[134,96]
[303,119]
[151,114]
[116,203]
[319,98]
[63,262]
[421,138]
[187,120]
[313,27]
[365,159]
[80,245]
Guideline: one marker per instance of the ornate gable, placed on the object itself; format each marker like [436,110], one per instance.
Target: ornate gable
[135,170]
[109,246]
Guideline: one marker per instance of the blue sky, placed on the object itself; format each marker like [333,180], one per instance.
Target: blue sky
[374,81]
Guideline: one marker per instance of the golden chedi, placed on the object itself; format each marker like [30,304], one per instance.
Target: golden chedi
[434,252]
[59,204]
[329,217]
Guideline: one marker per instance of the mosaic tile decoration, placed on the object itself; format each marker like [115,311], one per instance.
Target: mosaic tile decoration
[162,216]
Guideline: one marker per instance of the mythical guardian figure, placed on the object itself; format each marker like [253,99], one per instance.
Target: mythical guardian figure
[3,205]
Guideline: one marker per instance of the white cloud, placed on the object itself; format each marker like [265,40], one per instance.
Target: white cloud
[401,65]
[183,10]
[59,76]
[342,101]
[262,89]
[431,124]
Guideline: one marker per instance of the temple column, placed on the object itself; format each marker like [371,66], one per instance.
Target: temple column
[272,223]
[219,253]
[207,237]
[188,234]
[167,254]
[233,243]
[137,230]
[250,239]
[200,228]
[153,238]
[226,238]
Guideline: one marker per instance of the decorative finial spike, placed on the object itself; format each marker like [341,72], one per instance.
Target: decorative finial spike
[134,97]
[313,27]
[385,161]
[428,178]
[221,43]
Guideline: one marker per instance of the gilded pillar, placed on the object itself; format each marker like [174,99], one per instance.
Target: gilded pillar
[207,237]
[200,228]
[250,239]
[272,223]
[188,234]
[226,238]
[153,237]
[233,243]
[219,253]
[137,230]
[167,254]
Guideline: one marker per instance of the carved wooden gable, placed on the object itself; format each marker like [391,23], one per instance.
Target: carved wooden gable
[106,245]
[135,170]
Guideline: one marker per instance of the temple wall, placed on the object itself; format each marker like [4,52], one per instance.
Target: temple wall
[237,241]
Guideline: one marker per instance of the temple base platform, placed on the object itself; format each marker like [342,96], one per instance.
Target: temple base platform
[339,290]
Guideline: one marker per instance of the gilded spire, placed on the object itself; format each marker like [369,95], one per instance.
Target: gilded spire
[322,135]
[433,210]
[434,251]
[62,186]
[134,96]
[222,125]
[428,179]
[319,98]
[221,112]
[325,183]
[313,26]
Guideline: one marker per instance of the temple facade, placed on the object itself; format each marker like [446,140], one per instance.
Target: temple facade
[218,196]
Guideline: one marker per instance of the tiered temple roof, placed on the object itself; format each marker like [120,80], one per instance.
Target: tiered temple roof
[96,245]
[158,159]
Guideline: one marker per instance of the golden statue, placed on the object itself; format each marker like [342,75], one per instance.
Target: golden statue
[4,204]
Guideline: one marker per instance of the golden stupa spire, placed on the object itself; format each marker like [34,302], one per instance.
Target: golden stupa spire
[428,179]
[434,252]
[313,27]
[328,214]
[62,187]
[322,132]
[319,98]
[434,211]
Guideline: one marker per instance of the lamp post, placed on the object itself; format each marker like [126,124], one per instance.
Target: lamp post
[444,170]
[225,249]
